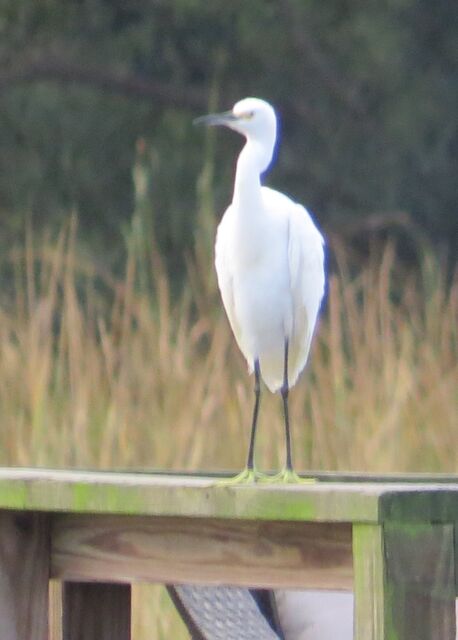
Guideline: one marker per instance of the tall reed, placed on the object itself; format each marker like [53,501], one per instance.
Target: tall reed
[133,378]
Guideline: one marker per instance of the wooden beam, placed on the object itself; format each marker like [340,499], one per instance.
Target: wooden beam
[202,551]
[404,582]
[96,611]
[143,494]
[24,572]
[161,495]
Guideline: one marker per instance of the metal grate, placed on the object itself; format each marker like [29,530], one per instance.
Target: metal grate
[222,613]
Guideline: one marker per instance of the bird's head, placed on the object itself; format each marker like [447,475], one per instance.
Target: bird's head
[252,117]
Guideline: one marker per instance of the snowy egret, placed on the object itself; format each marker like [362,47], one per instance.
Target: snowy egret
[269,260]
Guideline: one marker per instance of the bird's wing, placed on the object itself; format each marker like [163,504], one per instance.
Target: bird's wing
[306,271]
[224,273]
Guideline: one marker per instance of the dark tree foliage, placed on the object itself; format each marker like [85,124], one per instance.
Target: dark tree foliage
[367,92]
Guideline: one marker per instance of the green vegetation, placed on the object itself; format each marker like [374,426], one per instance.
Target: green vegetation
[367,93]
[114,350]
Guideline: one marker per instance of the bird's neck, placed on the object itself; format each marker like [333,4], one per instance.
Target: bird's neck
[253,160]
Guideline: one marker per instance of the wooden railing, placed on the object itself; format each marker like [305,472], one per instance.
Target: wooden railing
[393,541]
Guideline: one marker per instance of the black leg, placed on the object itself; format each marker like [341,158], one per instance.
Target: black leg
[284,395]
[257,393]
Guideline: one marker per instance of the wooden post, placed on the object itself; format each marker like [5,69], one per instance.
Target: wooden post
[404,582]
[55,610]
[24,573]
[96,611]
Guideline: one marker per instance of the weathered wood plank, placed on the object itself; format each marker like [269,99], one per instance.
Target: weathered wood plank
[455,536]
[404,582]
[96,611]
[420,505]
[55,610]
[143,494]
[201,551]
[369,583]
[420,580]
[24,572]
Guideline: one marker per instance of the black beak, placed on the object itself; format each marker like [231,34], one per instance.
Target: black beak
[215,119]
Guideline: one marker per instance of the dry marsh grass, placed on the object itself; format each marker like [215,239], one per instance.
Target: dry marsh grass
[134,378]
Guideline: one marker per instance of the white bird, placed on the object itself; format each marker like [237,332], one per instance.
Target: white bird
[269,260]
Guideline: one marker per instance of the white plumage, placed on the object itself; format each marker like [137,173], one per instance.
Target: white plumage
[271,290]
[269,261]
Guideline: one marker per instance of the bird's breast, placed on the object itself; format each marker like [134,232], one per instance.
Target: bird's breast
[259,241]
[262,300]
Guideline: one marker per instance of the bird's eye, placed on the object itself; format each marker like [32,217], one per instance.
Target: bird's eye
[247,115]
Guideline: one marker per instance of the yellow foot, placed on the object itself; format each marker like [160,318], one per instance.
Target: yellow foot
[247,476]
[287,476]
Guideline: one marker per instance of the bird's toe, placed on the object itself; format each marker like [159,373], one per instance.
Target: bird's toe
[247,476]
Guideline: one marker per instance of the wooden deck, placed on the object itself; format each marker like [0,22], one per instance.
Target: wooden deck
[393,540]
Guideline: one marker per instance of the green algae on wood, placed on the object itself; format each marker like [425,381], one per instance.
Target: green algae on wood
[150,494]
[404,581]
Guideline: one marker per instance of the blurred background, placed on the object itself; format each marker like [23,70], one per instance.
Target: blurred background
[114,349]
